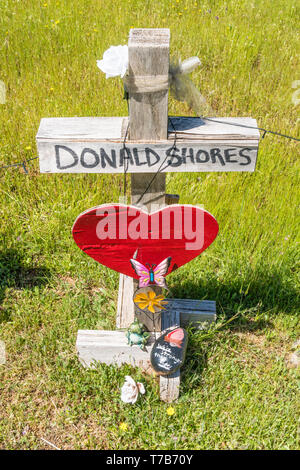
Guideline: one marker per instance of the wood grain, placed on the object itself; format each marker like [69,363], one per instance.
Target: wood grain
[169,386]
[199,313]
[112,348]
[112,129]
[148,51]
[125,307]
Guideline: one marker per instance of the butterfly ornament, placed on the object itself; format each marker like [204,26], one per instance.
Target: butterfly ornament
[151,274]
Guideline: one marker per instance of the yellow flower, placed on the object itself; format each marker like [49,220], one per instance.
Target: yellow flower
[123,427]
[150,300]
[57,21]
[28,147]
[170,411]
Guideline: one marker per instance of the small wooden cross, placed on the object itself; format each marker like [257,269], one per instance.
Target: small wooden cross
[96,145]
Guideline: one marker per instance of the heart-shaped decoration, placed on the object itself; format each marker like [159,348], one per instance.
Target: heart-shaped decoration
[112,234]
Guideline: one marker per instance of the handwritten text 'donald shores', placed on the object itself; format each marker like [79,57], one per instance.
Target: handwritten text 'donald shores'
[70,158]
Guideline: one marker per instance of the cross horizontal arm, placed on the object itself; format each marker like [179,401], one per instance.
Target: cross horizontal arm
[96,145]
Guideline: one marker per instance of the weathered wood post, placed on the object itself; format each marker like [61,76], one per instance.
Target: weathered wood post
[148,121]
[149,56]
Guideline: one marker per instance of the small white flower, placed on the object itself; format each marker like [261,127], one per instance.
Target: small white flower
[188,65]
[115,61]
[130,390]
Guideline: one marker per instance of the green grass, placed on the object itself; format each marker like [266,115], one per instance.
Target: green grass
[237,389]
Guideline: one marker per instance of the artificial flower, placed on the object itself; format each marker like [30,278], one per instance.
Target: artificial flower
[131,389]
[150,300]
[115,61]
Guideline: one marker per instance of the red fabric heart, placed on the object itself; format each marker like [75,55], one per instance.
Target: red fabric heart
[113,234]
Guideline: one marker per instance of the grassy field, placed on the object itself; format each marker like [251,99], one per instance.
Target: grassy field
[238,391]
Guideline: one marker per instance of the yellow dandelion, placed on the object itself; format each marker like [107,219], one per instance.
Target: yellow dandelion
[170,411]
[150,300]
[57,21]
[28,147]
[123,427]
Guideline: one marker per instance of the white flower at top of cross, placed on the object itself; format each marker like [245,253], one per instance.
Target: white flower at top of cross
[114,62]
[131,389]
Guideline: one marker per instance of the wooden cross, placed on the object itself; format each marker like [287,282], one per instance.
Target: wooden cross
[96,145]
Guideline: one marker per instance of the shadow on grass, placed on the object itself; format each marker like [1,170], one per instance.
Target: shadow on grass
[253,308]
[263,294]
[194,365]
[14,273]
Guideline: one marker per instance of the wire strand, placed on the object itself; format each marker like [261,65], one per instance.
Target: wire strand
[265,131]
[4,167]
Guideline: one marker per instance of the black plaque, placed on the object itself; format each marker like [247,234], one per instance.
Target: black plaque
[168,352]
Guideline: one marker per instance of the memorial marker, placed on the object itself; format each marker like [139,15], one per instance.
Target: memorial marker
[154,144]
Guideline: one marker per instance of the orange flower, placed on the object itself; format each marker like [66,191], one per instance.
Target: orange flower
[150,300]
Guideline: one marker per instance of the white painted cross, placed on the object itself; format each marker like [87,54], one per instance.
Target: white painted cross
[96,145]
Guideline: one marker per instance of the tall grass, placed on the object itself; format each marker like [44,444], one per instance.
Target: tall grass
[237,391]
